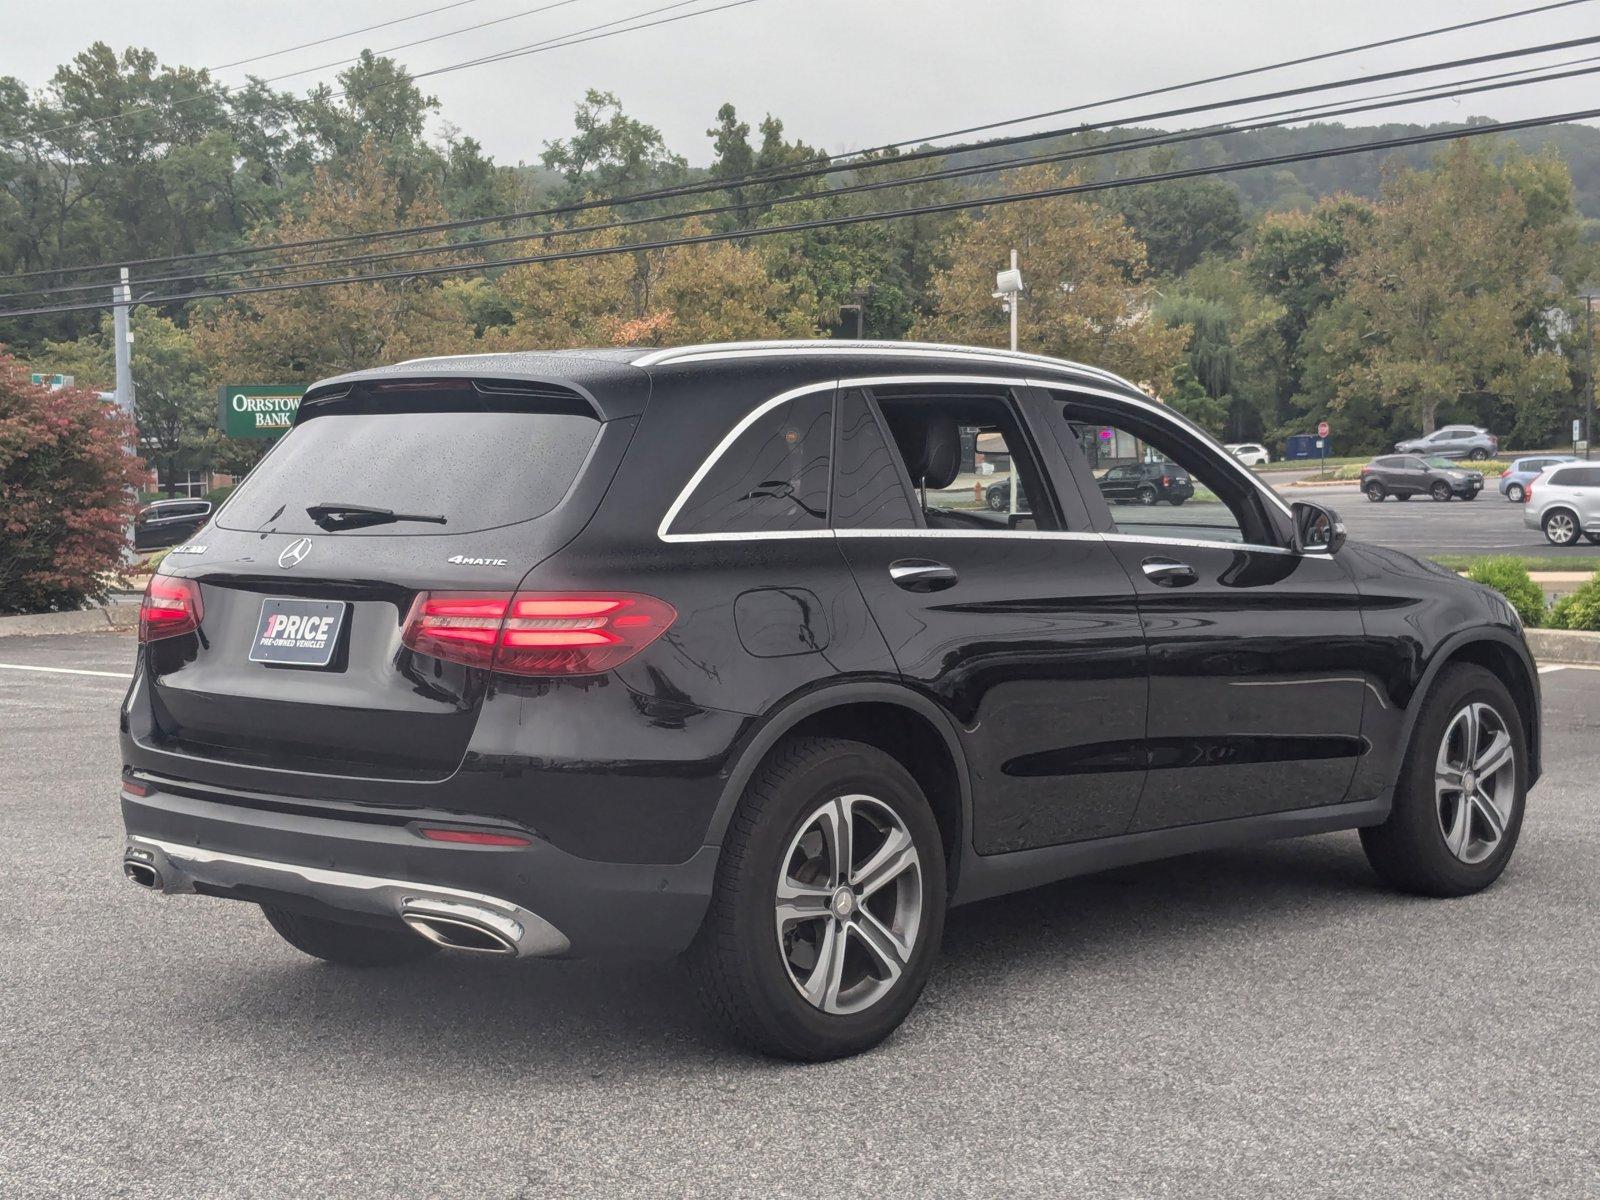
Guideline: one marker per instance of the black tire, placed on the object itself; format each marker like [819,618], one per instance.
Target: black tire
[349,945]
[1147,495]
[1594,538]
[1403,495]
[996,499]
[1479,455]
[736,959]
[1375,491]
[1560,532]
[1176,502]
[1409,851]
[1468,496]
[1514,493]
[1440,491]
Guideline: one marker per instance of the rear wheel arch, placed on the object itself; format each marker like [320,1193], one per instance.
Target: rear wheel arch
[903,724]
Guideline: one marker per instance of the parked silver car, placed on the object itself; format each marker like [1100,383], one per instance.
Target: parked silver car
[1565,503]
[1454,441]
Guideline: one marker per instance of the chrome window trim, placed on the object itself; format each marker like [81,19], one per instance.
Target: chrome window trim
[1006,381]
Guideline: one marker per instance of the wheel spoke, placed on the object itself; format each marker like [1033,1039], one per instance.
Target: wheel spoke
[1469,734]
[887,951]
[836,821]
[1494,758]
[1485,808]
[822,985]
[800,902]
[1460,831]
[893,858]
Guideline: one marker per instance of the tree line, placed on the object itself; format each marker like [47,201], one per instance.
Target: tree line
[1386,296]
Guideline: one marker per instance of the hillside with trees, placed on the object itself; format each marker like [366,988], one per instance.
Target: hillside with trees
[1384,292]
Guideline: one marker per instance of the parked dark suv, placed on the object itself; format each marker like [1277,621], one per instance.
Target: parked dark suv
[626,652]
[168,522]
[1147,483]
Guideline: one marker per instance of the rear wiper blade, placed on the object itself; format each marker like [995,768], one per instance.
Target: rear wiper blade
[354,516]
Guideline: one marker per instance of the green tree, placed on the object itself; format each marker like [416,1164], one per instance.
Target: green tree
[1088,296]
[1447,295]
[174,405]
[1182,220]
[611,153]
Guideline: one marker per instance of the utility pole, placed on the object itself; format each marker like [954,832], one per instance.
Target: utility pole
[122,300]
[123,352]
[1588,394]
[1008,290]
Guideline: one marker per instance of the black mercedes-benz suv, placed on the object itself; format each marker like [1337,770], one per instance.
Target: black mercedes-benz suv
[705,650]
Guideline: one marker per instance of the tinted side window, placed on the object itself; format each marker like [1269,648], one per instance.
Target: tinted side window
[868,492]
[773,478]
[1577,477]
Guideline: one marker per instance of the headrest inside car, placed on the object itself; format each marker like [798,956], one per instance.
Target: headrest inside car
[931,445]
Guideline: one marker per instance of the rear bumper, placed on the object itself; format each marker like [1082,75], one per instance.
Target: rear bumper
[537,900]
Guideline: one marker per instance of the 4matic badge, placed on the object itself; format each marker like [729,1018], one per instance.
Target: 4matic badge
[463,560]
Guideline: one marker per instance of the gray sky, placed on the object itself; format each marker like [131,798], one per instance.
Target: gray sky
[842,74]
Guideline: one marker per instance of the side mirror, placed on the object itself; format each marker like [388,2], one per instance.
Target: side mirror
[1317,530]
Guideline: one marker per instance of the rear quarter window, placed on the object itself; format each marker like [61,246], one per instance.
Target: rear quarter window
[771,477]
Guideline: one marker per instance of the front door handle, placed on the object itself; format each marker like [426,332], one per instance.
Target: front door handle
[922,575]
[1168,572]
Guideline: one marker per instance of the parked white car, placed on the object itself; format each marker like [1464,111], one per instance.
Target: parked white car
[1251,454]
[1565,503]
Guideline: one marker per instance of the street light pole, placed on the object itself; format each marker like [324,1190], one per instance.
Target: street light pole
[1008,290]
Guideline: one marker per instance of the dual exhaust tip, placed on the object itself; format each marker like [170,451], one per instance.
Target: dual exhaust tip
[453,924]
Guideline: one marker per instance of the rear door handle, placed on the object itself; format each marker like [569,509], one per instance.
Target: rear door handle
[922,575]
[1168,572]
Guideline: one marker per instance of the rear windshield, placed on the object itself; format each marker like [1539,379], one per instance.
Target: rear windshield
[477,461]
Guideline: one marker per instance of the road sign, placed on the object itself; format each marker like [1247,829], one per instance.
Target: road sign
[1322,429]
[257,410]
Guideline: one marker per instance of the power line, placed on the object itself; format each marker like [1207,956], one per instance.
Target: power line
[339,37]
[832,167]
[850,218]
[555,43]
[1316,112]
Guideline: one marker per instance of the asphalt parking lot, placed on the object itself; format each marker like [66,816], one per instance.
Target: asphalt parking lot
[1257,1022]
[1488,525]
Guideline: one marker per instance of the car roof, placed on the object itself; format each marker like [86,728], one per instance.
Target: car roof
[616,381]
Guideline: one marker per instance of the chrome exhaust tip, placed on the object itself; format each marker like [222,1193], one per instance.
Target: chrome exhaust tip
[462,926]
[143,873]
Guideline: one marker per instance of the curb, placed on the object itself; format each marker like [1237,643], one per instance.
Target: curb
[1576,646]
[89,620]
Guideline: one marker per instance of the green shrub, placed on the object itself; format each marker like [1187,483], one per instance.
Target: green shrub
[1510,578]
[218,494]
[1579,609]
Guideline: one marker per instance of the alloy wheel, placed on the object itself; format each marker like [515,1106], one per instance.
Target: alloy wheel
[849,903]
[1514,493]
[1147,496]
[1561,529]
[1375,492]
[1440,491]
[1475,782]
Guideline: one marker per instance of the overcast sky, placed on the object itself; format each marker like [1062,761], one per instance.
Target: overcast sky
[842,74]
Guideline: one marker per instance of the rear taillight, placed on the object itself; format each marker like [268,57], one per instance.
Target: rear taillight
[474,837]
[536,633]
[1527,492]
[171,606]
[1166,481]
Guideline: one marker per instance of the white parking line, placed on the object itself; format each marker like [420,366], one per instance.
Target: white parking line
[64,671]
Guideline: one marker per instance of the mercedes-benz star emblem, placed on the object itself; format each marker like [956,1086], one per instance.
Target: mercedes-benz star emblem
[294,553]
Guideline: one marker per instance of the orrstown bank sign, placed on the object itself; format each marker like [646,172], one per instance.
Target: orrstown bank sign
[257,410]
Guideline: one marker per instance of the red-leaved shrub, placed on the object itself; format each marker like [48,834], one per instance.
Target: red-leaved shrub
[67,480]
